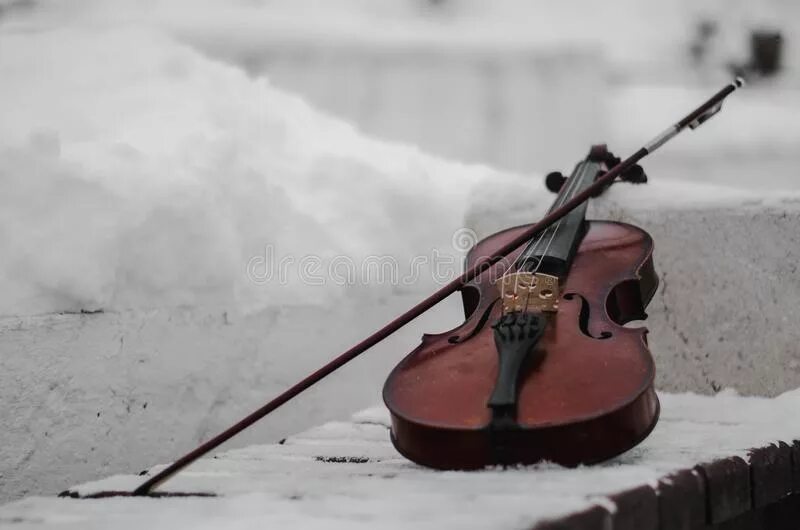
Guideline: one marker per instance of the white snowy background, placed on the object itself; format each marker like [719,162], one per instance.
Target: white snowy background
[150,150]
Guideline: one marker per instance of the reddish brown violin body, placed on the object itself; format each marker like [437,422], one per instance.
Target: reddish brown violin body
[590,398]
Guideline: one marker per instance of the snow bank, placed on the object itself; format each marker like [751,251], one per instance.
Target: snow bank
[139,173]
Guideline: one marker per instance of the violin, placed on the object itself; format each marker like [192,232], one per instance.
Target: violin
[543,366]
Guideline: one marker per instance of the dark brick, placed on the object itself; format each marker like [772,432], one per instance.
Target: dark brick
[682,501]
[747,521]
[637,509]
[796,466]
[770,474]
[594,518]
[727,488]
[780,515]
[784,514]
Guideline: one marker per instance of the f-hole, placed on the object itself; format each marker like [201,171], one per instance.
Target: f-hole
[583,318]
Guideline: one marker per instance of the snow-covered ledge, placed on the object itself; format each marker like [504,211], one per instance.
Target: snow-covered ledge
[721,459]
[726,310]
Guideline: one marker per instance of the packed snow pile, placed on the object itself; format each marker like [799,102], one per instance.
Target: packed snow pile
[138,173]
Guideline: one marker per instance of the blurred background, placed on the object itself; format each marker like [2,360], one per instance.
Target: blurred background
[523,86]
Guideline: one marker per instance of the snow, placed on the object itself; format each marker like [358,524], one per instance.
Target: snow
[639,81]
[139,173]
[622,29]
[348,473]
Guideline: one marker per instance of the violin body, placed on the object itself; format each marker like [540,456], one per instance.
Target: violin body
[589,397]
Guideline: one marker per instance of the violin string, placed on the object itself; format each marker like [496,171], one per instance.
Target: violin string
[574,187]
[559,201]
[569,192]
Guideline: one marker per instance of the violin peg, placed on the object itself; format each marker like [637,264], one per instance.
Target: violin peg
[554,180]
[635,175]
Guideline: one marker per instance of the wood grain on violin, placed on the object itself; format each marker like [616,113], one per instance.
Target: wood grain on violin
[589,398]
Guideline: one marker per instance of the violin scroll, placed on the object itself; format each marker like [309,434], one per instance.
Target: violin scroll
[599,153]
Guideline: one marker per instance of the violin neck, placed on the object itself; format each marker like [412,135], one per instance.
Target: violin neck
[551,251]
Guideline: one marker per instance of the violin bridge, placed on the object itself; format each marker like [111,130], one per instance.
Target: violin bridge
[525,291]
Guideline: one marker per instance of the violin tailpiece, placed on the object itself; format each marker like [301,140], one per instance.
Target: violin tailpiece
[515,337]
